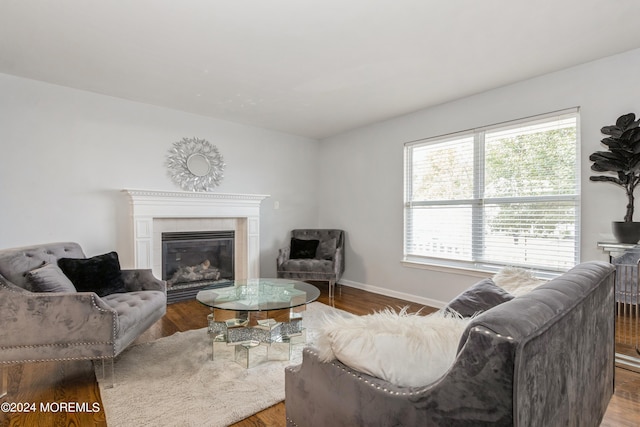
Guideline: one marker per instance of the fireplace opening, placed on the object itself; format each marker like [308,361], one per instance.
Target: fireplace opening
[196,259]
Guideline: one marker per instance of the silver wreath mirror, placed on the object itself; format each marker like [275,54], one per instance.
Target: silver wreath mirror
[195,164]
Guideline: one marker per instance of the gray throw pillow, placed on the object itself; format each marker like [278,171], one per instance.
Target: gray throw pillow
[49,278]
[327,249]
[480,297]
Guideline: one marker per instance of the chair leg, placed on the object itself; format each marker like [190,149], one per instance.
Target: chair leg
[109,372]
[106,372]
[5,381]
[332,285]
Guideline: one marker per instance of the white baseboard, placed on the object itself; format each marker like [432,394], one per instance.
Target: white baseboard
[390,293]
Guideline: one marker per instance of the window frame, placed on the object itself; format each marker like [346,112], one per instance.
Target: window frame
[477,202]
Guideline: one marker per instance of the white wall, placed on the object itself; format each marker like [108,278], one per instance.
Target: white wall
[363,191]
[66,154]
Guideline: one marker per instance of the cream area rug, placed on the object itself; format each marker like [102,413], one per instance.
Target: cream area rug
[173,381]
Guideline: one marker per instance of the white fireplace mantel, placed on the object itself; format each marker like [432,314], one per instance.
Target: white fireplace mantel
[149,206]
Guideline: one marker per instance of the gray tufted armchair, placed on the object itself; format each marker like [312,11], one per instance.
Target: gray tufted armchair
[314,254]
[69,325]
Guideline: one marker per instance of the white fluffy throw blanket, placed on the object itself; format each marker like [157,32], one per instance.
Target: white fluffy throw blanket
[404,349]
[516,281]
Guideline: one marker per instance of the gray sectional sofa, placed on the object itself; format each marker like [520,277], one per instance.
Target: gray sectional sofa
[65,324]
[545,358]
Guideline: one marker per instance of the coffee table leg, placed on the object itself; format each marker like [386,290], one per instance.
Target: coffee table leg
[277,336]
[279,350]
[217,332]
[210,331]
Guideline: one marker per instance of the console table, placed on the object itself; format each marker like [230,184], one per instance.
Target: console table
[626,258]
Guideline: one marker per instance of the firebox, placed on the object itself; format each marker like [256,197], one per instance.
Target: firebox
[196,259]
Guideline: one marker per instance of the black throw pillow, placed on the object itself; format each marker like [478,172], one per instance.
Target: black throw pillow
[100,274]
[303,249]
[480,297]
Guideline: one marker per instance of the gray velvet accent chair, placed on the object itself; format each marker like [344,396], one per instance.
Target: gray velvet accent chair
[545,358]
[305,259]
[69,325]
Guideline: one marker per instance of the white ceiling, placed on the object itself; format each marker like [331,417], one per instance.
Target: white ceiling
[308,67]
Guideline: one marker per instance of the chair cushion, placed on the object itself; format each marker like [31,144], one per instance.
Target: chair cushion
[303,249]
[308,265]
[99,274]
[49,278]
[480,297]
[134,308]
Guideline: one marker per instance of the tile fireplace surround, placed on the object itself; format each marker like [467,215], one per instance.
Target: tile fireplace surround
[155,212]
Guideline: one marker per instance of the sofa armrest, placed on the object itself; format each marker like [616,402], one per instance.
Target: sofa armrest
[56,320]
[338,263]
[332,394]
[142,280]
[477,390]
[283,256]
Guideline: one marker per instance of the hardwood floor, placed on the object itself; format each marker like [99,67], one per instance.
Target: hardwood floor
[75,381]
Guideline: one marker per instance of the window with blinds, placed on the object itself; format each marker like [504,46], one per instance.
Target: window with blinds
[507,194]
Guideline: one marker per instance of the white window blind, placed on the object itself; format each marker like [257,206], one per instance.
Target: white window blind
[507,194]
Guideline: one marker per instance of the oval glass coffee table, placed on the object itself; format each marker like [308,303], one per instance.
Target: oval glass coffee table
[254,313]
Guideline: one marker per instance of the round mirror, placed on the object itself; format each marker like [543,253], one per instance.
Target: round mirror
[195,164]
[198,164]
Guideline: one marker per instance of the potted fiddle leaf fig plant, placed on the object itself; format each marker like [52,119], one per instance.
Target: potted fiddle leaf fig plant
[622,159]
